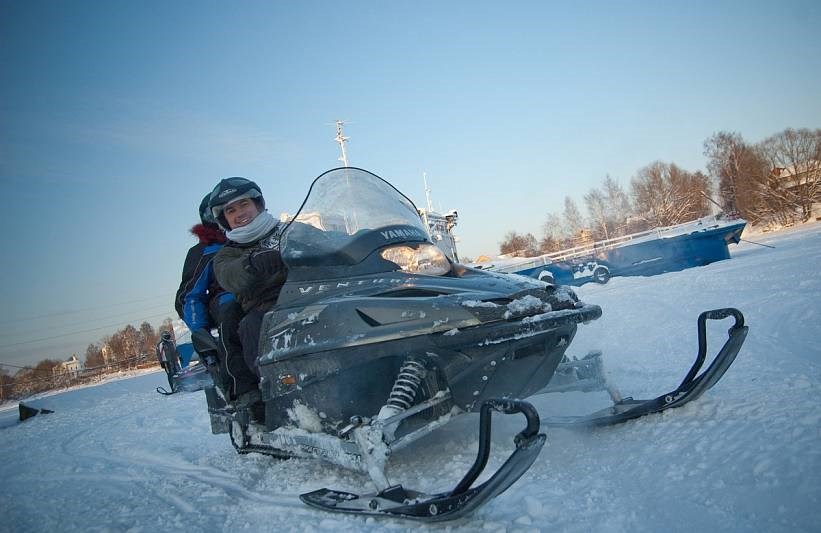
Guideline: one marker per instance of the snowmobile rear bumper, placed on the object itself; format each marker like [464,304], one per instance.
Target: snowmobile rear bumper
[463,499]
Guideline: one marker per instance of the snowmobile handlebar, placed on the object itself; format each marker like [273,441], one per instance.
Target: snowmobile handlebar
[508,407]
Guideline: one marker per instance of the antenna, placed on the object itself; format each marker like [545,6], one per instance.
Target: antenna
[427,191]
[341,139]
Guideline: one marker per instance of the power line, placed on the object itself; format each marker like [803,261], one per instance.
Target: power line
[60,313]
[76,332]
[75,324]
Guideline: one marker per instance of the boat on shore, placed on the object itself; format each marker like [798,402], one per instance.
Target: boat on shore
[648,253]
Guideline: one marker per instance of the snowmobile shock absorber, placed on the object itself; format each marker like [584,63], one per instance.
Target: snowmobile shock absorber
[405,388]
[407,384]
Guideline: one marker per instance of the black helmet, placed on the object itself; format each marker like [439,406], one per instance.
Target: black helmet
[165,335]
[230,190]
[206,216]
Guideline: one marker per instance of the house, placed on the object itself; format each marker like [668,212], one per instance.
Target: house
[804,181]
[70,367]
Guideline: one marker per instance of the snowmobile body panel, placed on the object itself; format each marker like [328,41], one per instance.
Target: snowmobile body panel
[479,336]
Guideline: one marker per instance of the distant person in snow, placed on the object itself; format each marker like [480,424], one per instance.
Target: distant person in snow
[168,357]
[200,297]
[250,267]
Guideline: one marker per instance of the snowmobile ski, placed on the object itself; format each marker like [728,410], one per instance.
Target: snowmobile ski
[463,499]
[691,388]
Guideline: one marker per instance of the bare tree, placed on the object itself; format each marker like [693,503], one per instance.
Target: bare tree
[618,205]
[94,356]
[741,173]
[795,159]
[519,245]
[148,339]
[599,214]
[6,384]
[574,222]
[665,194]
[553,234]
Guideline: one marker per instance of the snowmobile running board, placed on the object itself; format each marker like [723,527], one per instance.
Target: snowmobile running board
[691,388]
[463,499]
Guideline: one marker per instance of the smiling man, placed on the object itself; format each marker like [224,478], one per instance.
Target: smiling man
[250,267]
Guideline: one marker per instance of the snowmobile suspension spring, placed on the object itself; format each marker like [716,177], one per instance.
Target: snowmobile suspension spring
[407,384]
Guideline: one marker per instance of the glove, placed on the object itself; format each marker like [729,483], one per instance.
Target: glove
[266,261]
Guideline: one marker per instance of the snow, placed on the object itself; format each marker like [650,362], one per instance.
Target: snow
[524,304]
[744,457]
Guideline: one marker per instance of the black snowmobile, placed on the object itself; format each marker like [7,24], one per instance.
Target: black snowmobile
[378,339]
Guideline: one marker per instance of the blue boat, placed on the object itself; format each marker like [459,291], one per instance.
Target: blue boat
[648,253]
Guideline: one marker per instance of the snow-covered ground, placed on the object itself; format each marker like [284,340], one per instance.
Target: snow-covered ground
[744,457]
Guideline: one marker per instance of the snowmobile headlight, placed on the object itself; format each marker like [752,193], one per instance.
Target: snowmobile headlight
[425,259]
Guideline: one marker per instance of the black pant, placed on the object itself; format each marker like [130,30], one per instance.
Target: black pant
[170,368]
[249,330]
[240,377]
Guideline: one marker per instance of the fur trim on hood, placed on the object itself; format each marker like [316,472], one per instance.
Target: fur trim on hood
[208,234]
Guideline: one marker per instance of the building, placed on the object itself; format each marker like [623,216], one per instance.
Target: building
[70,367]
[803,180]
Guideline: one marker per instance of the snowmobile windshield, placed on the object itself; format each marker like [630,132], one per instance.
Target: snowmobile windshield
[348,214]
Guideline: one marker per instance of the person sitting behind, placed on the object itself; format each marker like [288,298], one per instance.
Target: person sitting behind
[199,295]
[249,265]
[200,301]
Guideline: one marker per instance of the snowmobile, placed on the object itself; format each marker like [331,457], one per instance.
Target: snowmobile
[377,339]
[192,378]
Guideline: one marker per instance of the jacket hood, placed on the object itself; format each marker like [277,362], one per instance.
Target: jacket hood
[208,234]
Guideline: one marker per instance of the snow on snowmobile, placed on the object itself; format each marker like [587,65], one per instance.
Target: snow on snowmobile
[377,339]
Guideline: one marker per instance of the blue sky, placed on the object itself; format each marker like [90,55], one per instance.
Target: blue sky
[116,117]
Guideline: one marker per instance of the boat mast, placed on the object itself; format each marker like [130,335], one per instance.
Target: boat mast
[427,191]
[341,139]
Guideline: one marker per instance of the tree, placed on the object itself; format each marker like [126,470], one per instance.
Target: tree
[148,339]
[131,344]
[6,384]
[519,245]
[618,206]
[572,217]
[31,380]
[665,194]
[598,212]
[741,173]
[553,234]
[795,158]
[94,356]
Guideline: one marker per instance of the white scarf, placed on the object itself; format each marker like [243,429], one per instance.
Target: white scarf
[258,228]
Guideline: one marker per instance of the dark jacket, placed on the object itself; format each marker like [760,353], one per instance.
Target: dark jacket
[236,272]
[167,353]
[199,291]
